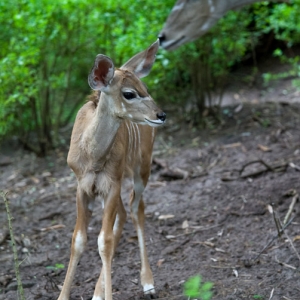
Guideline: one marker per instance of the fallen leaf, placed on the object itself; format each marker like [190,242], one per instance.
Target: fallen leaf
[238,108]
[264,148]
[270,208]
[160,262]
[46,174]
[185,224]
[169,237]
[34,179]
[235,272]
[220,250]
[210,244]
[132,239]
[296,238]
[157,184]
[234,145]
[165,217]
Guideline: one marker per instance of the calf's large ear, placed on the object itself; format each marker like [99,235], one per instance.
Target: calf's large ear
[141,63]
[102,73]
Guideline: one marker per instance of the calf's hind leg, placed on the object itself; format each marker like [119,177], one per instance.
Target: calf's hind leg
[99,293]
[138,217]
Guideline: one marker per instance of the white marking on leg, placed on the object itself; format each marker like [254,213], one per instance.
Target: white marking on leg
[148,289]
[79,242]
[97,298]
[116,224]
[101,242]
[141,239]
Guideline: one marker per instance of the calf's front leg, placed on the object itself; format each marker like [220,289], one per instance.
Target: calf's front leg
[79,239]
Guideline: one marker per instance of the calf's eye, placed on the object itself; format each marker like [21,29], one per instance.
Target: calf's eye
[129,95]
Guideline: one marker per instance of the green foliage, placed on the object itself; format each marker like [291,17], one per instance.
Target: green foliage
[284,21]
[48,47]
[46,51]
[194,288]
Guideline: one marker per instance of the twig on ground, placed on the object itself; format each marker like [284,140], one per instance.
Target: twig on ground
[284,264]
[271,295]
[291,208]
[14,248]
[272,168]
[58,226]
[254,162]
[292,244]
[277,222]
[197,230]
[274,238]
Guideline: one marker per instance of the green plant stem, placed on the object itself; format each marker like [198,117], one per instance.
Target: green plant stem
[12,237]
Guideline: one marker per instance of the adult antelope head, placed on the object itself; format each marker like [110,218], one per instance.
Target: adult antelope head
[190,19]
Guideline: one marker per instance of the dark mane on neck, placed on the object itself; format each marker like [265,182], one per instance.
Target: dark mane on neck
[94,96]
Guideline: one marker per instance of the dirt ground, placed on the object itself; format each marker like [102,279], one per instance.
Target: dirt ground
[218,187]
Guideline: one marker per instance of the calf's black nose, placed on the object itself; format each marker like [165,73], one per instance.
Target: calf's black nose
[162,116]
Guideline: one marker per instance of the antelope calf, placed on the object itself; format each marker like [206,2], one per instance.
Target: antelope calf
[112,139]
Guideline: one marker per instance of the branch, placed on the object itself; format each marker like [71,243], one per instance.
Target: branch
[12,237]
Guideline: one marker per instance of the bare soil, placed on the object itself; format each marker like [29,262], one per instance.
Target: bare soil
[218,185]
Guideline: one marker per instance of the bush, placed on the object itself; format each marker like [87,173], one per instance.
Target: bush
[47,48]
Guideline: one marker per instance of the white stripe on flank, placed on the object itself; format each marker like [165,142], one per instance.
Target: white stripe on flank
[129,135]
[138,140]
[134,137]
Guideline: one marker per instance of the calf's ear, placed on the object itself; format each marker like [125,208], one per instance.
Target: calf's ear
[141,63]
[102,73]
